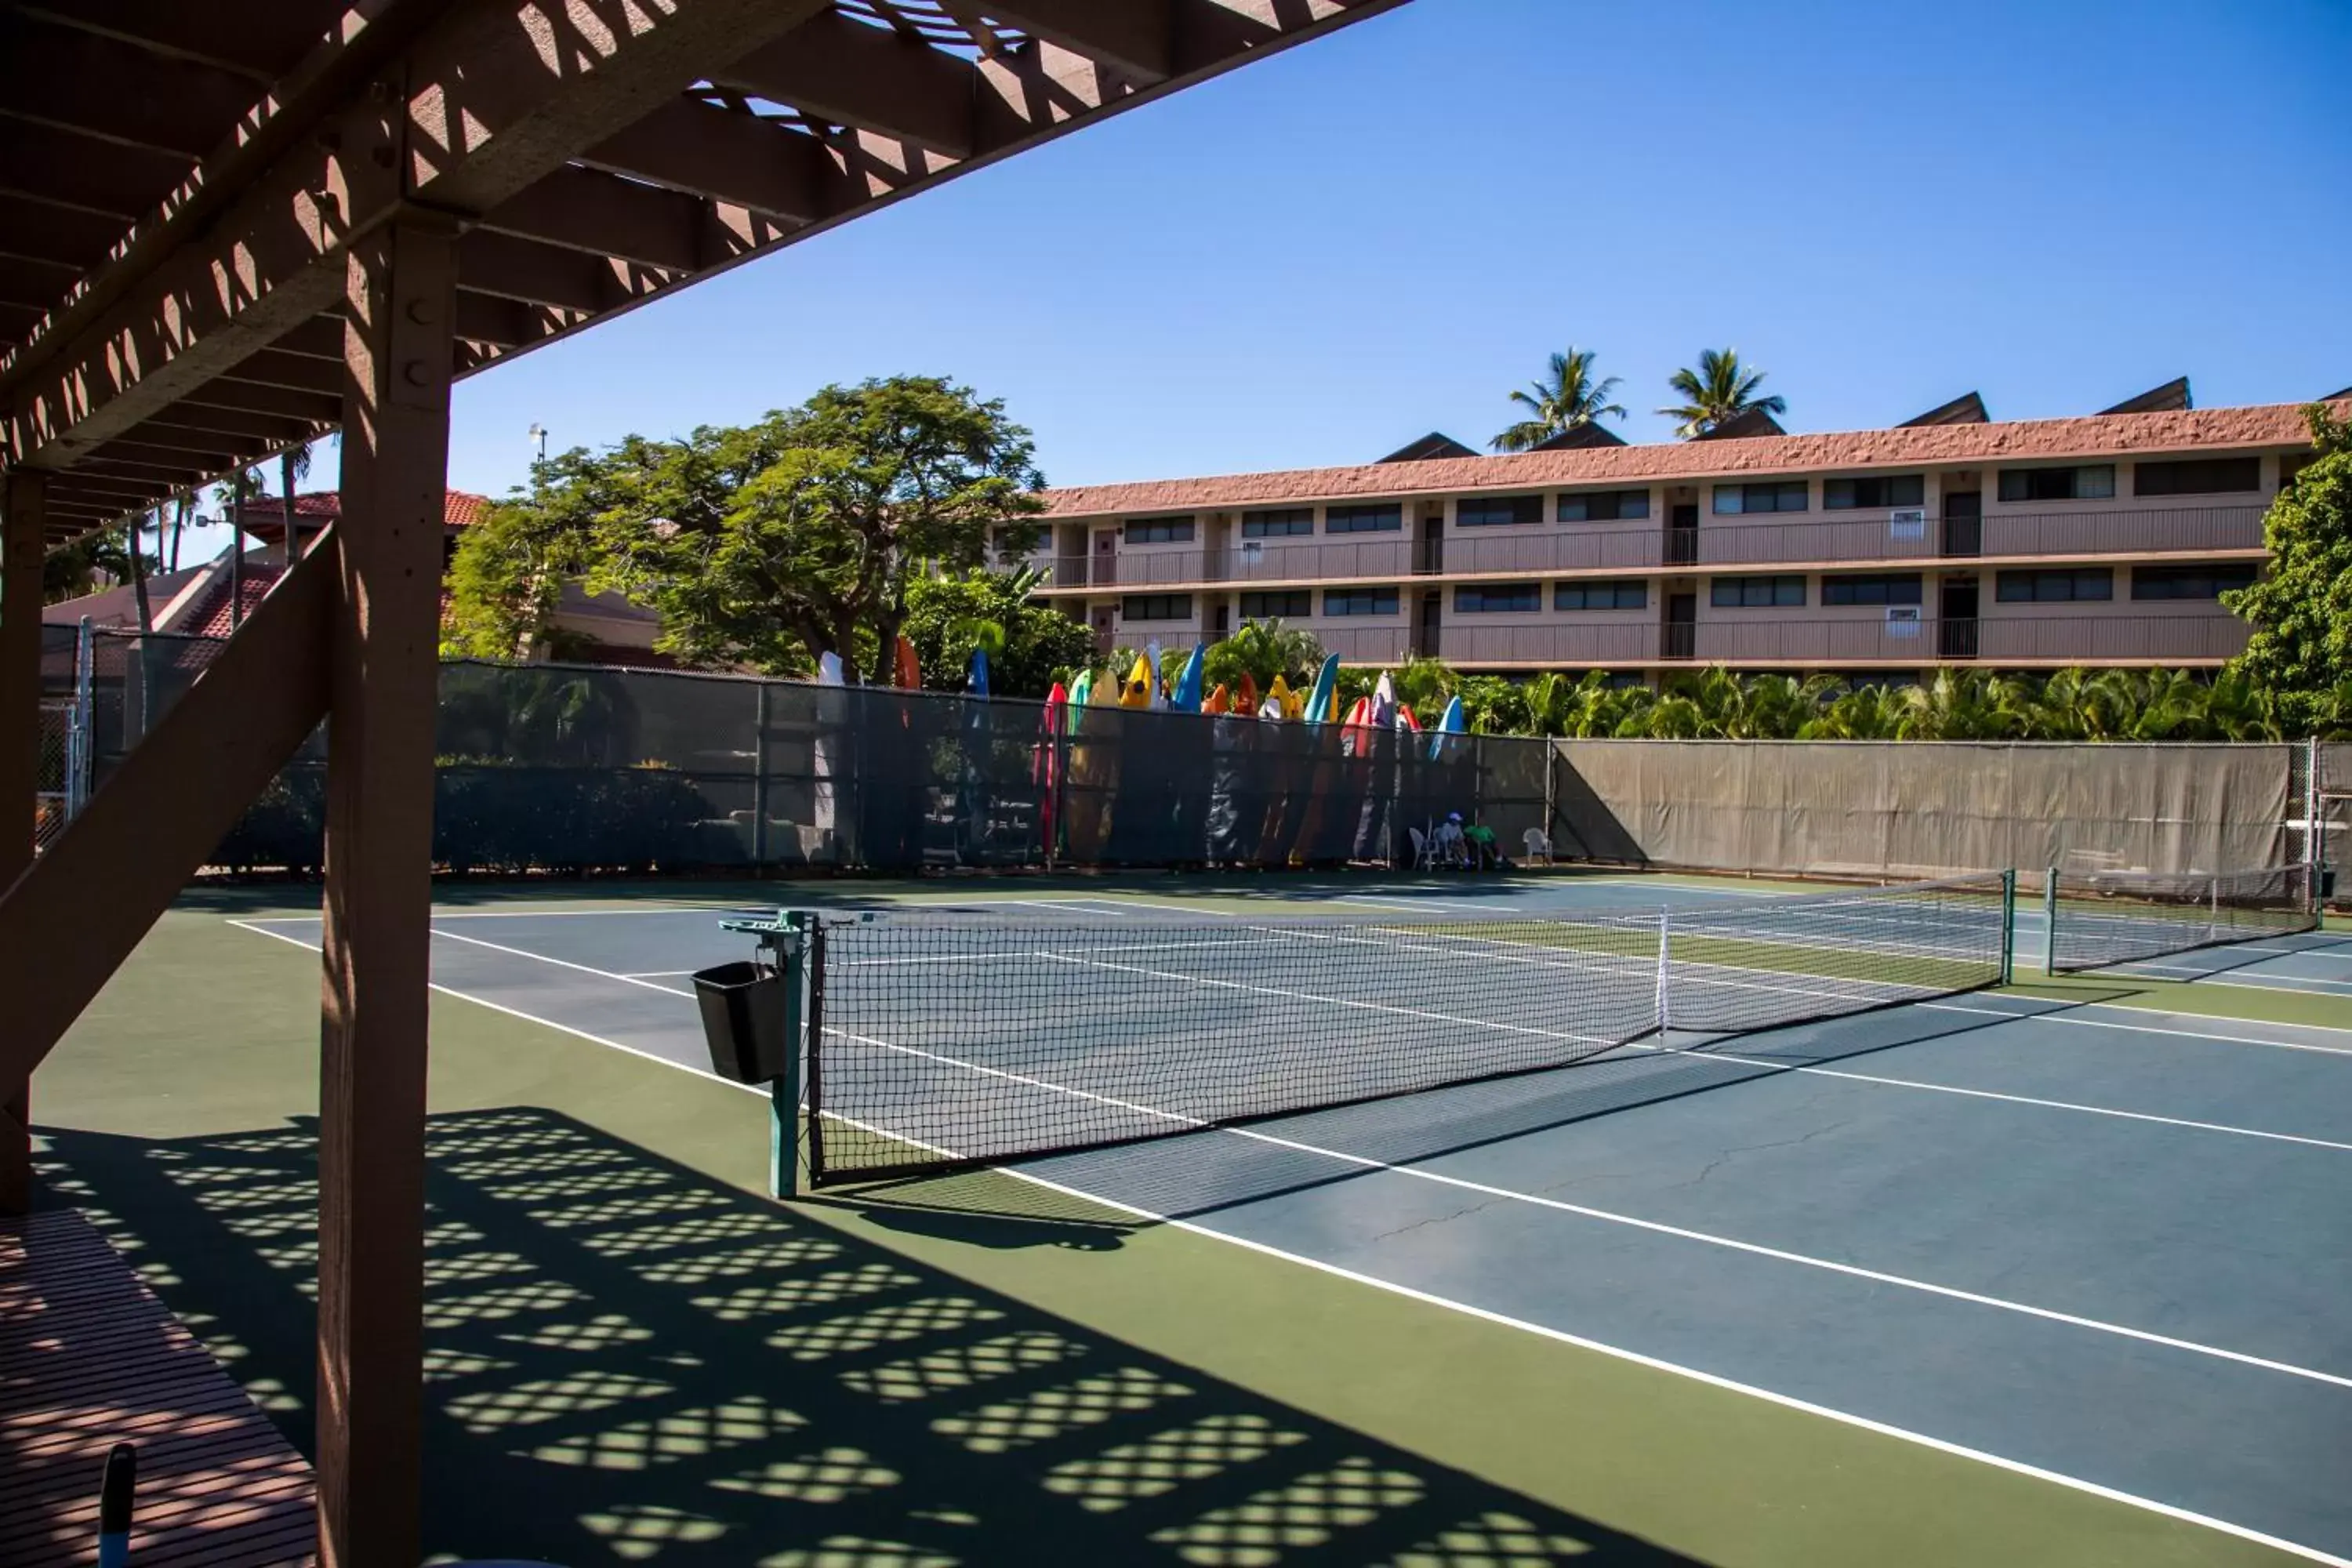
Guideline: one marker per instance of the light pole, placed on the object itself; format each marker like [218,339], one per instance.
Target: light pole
[537,434]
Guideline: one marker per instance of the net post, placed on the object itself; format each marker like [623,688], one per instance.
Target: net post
[2008,924]
[1666,959]
[2049,922]
[790,948]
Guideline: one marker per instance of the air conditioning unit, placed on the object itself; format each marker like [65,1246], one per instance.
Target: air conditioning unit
[1253,552]
[1902,620]
[1908,522]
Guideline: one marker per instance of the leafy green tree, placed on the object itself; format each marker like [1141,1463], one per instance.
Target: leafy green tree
[73,570]
[2301,611]
[1262,650]
[772,543]
[1718,391]
[1567,398]
[1029,642]
[1491,705]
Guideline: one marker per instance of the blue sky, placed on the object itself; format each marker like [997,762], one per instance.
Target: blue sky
[1324,255]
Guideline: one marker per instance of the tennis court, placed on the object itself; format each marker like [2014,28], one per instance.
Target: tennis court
[2089,1233]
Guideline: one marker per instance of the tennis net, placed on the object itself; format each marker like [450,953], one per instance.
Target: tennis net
[939,1041]
[2099,918]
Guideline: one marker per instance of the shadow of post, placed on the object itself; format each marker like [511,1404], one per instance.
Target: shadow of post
[627,1362]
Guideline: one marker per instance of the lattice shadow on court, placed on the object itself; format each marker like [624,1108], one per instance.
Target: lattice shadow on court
[630,1363]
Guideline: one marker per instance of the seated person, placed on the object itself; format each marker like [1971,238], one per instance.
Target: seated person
[1488,853]
[1450,847]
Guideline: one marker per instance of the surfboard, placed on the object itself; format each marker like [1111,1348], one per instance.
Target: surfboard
[1322,703]
[1219,702]
[1186,696]
[1136,693]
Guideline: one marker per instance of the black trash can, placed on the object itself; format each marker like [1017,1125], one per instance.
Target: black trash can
[743,1021]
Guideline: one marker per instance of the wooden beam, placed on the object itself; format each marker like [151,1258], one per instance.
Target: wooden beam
[264,43]
[485,319]
[699,147]
[385,641]
[23,530]
[1134,37]
[483,109]
[42,231]
[110,876]
[538,274]
[184,454]
[101,177]
[832,68]
[299,373]
[235,392]
[114,91]
[209,424]
[605,214]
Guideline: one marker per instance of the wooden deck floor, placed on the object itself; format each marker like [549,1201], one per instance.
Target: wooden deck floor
[90,1358]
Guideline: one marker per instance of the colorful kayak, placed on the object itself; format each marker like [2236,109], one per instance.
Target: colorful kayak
[1219,701]
[907,672]
[1278,702]
[976,678]
[1245,701]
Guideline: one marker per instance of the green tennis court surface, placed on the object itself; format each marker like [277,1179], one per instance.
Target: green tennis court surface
[1971,1280]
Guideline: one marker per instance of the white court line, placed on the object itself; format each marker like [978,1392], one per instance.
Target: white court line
[2310,984]
[2053,1017]
[1787,1402]
[1659,1228]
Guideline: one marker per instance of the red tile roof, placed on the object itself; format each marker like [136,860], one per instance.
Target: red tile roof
[264,515]
[211,617]
[2095,436]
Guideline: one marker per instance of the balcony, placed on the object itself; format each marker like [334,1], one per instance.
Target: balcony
[1650,545]
[1798,644]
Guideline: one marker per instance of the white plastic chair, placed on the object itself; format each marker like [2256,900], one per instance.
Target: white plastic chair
[1420,842]
[1538,845]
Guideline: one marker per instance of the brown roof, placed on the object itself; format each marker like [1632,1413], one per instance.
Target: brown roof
[2021,440]
[263,514]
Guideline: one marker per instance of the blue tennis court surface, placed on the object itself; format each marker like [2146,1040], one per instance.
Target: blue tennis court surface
[2103,1243]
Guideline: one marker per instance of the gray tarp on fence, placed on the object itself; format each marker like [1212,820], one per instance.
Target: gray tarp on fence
[1914,808]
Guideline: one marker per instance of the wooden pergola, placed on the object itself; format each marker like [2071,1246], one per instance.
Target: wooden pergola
[227,231]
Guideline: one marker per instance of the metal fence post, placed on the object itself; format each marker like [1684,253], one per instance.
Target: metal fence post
[2049,922]
[78,735]
[760,778]
[2008,924]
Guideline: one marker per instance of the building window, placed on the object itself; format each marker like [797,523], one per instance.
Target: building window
[1890,588]
[1281,522]
[2291,466]
[1758,592]
[2196,477]
[2191,582]
[1156,608]
[1497,598]
[2067,584]
[1601,596]
[1874,491]
[1603,506]
[2092,482]
[1363,519]
[1360,601]
[1160,531]
[1274,604]
[1773,495]
[1497,511]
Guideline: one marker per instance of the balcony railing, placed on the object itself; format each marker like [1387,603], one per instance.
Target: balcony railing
[1652,545]
[2090,639]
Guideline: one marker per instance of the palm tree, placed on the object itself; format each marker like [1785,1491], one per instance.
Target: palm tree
[1718,391]
[1567,399]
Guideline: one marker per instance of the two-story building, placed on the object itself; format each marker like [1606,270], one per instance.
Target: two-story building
[1950,539]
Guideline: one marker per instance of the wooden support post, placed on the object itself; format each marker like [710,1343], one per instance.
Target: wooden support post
[20,770]
[382,678]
